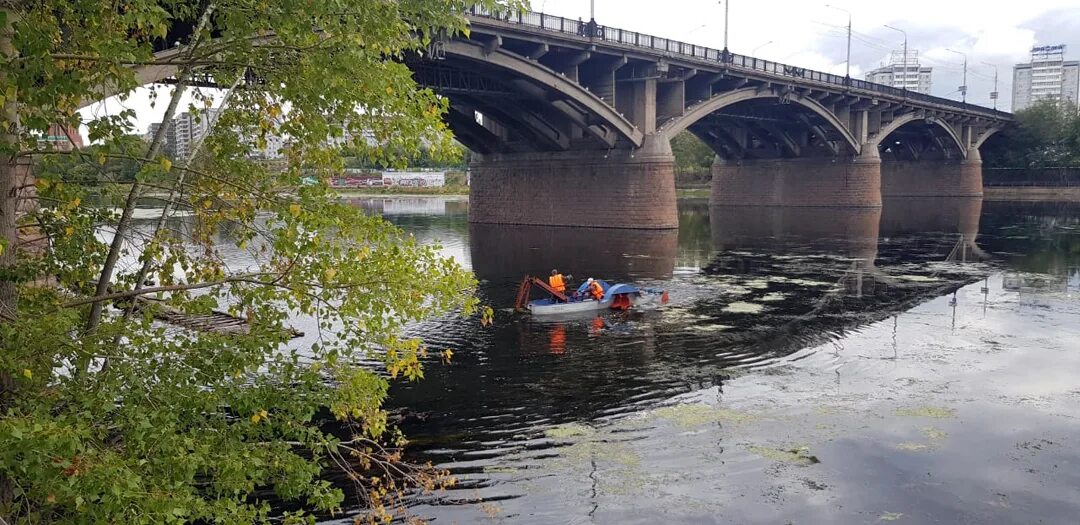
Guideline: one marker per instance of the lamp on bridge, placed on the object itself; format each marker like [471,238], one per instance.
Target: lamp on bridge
[905,78]
[963,88]
[847,73]
[994,93]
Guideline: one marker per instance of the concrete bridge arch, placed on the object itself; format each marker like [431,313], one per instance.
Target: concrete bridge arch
[954,144]
[704,109]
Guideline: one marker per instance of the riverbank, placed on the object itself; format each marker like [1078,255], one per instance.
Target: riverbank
[1032,193]
[405,191]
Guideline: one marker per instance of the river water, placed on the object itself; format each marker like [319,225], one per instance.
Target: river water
[917,364]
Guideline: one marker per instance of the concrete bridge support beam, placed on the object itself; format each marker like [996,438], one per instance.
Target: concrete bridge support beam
[620,189]
[834,182]
[933,178]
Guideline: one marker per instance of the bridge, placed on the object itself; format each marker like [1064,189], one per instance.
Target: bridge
[571,124]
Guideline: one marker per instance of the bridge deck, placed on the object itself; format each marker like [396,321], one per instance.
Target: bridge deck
[702,56]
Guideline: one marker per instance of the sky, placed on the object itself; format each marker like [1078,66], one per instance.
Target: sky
[807,33]
[810,34]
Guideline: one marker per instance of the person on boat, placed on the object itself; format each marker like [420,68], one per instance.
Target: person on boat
[557,281]
[595,290]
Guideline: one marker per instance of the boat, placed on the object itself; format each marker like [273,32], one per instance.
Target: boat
[619,296]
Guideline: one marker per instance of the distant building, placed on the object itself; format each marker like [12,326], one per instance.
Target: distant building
[1047,77]
[61,138]
[183,133]
[910,75]
[186,130]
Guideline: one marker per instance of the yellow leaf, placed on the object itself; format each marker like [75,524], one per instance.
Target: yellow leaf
[255,418]
[69,231]
[294,209]
[330,273]
[166,164]
[101,159]
[27,373]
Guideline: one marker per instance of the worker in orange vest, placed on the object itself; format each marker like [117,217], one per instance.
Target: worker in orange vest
[557,281]
[595,289]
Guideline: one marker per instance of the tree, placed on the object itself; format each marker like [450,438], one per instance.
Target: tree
[106,415]
[1047,134]
[691,154]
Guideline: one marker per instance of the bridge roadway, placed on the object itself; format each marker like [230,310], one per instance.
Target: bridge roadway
[571,125]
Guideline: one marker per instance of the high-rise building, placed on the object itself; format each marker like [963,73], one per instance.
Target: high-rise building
[1047,77]
[183,133]
[905,74]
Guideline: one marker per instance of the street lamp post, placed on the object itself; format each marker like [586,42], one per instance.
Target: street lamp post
[904,85]
[592,10]
[963,88]
[847,74]
[754,52]
[994,93]
[727,9]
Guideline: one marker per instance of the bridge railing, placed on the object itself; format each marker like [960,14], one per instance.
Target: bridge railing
[620,36]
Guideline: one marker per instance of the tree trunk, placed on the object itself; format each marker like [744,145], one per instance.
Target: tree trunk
[12,171]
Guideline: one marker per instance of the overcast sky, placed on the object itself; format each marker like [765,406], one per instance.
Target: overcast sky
[809,34]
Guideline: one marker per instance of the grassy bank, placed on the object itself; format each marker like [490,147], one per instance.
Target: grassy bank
[1031,193]
[692,193]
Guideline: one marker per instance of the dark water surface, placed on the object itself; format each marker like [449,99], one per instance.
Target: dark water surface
[915,364]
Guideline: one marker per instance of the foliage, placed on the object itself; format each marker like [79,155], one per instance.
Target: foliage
[1046,134]
[691,154]
[127,420]
[107,170]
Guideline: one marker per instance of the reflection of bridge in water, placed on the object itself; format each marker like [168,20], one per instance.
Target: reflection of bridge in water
[874,261]
[850,232]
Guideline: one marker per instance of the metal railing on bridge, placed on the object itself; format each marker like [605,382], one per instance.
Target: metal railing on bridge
[620,36]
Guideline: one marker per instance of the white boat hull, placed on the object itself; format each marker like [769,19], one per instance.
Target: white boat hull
[567,308]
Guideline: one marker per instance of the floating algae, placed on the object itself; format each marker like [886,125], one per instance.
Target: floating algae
[914,447]
[495,469]
[891,516]
[917,278]
[706,328]
[934,412]
[569,430]
[696,415]
[796,456]
[934,434]
[740,307]
[757,284]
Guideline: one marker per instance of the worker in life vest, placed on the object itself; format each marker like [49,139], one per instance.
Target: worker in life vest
[595,290]
[557,281]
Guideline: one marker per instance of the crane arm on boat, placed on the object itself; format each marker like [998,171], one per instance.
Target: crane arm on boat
[527,283]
